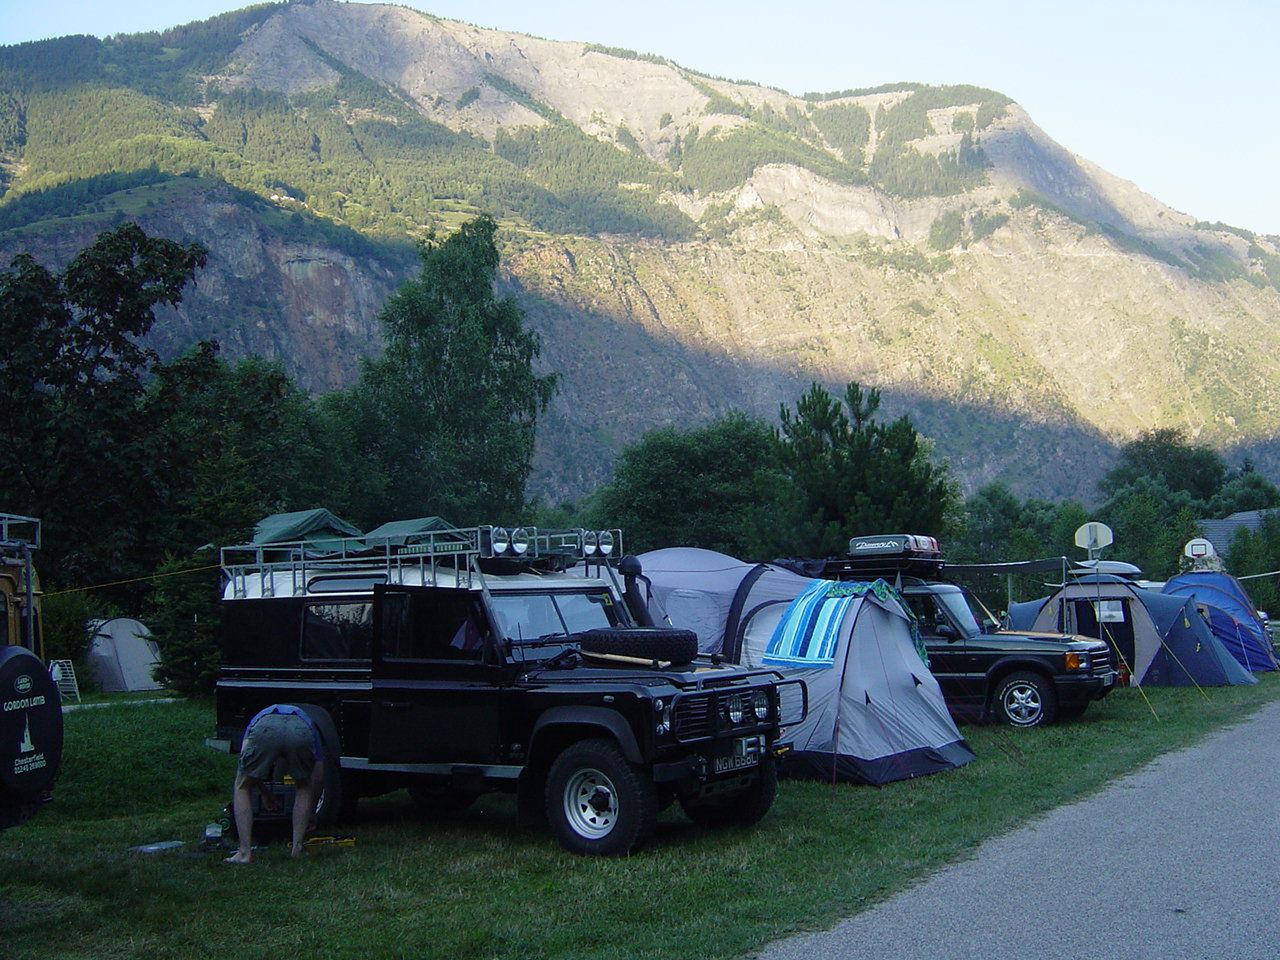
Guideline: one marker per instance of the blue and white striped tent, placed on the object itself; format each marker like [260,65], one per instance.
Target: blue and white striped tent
[875,711]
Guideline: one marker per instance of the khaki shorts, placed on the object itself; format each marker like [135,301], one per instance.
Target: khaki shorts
[278,740]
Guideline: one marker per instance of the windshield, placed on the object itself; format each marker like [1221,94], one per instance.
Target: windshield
[958,611]
[530,617]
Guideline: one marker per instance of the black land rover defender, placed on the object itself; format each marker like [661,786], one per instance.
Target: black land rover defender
[1022,679]
[480,659]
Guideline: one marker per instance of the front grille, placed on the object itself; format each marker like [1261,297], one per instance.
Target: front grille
[1102,662]
[694,717]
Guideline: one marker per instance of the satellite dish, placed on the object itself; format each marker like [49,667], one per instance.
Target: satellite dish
[1199,549]
[1094,536]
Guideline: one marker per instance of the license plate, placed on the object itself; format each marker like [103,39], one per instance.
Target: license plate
[746,753]
[1108,679]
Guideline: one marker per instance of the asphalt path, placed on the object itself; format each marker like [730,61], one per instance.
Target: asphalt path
[1178,860]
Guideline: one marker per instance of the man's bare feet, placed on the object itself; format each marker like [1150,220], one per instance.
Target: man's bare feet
[297,850]
[239,857]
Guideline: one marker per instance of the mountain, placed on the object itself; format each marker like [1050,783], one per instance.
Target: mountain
[684,244]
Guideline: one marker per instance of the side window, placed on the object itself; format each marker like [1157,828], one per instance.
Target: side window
[337,631]
[926,610]
[437,625]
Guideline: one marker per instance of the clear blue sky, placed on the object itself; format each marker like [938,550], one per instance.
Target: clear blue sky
[1178,97]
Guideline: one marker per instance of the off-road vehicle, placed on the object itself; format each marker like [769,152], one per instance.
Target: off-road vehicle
[1022,679]
[478,659]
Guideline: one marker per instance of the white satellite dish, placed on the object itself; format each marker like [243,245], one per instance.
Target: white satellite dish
[1199,549]
[1093,536]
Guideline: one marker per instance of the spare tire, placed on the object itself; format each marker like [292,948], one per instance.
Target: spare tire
[30,728]
[646,643]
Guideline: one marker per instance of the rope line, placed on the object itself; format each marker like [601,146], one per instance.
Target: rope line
[119,583]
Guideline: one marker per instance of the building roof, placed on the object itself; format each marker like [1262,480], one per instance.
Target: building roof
[1221,532]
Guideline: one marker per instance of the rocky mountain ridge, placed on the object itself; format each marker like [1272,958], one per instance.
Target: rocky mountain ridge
[729,244]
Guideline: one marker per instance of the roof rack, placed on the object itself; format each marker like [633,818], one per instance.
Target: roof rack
[462,549]
[17,532]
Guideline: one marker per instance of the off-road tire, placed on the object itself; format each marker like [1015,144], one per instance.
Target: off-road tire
[598,804]
[1025,699]
[743,809]
[647,643]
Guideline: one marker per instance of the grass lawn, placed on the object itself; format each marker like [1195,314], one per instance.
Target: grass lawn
[478,884]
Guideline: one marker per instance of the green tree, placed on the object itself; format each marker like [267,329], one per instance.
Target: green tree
[856,476]
[71,378]
[720,487]
[1247,490]
[444,422]
[1167,456]
[183,617]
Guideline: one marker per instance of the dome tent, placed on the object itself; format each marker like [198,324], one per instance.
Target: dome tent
[1163,639]
[1230,614]
[122,655]
[876,713]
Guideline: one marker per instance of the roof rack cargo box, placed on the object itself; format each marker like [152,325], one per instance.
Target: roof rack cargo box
[891,554]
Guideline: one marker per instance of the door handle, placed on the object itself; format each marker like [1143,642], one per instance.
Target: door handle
[393,705]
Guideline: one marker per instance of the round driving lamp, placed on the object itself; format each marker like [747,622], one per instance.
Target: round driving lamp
[760,704]
[519,541]
[606,543]
[499,540]
[736,708]
[589,543]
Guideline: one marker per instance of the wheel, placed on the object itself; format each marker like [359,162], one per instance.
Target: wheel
[434,797]
[648,643]
[1025,700]
[598,803]
[743,809]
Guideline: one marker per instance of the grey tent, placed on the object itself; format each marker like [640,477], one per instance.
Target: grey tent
[1163,640]
[122,655]
[876,713]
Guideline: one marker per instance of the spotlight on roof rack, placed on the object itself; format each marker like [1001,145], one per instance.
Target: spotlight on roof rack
[605,541]
[590,543]
[519,541]
[500,540]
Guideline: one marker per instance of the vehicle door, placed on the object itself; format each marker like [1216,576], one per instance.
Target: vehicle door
[946,648]
[435,678]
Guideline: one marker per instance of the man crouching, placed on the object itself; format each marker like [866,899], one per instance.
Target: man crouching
[282,733]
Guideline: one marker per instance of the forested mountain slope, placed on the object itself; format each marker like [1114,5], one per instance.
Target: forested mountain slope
[685,244]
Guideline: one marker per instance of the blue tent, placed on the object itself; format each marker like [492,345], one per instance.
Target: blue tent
[1230,613]
[1162,639]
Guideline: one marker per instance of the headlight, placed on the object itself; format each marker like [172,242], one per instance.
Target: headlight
[499,540]
[605,540]
[589,543]
[760,704]
[1077,661]
[519,541]
[737,707]
[663,711]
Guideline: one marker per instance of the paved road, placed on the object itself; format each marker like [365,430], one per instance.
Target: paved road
[1179,860]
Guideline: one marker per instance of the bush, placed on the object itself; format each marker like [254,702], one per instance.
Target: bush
[945,232]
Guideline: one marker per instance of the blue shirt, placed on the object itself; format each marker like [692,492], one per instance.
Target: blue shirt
[288,708]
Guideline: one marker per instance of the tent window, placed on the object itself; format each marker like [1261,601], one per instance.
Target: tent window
[337,631]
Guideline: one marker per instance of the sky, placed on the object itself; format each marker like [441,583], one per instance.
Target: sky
[1176,96]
